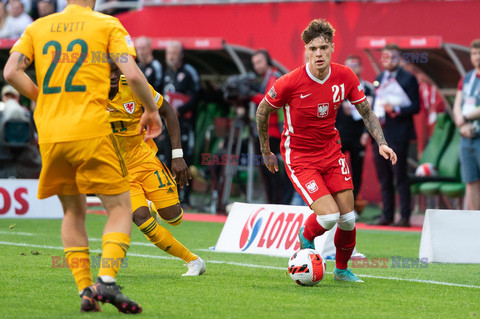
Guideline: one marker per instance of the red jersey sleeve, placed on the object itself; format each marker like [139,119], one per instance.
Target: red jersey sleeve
[279,93]
[355,92]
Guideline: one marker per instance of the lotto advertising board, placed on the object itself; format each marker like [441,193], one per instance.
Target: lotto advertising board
[269,230]
[18,199]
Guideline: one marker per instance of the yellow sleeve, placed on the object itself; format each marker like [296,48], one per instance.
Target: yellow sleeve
[24,45]
[120,41]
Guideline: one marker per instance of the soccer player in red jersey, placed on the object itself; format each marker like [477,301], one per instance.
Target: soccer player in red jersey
[310,96]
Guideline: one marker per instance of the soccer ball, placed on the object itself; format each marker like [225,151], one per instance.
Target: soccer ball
[306,267]
[426,169]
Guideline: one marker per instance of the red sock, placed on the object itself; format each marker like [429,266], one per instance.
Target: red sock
[345,243]
[312,228]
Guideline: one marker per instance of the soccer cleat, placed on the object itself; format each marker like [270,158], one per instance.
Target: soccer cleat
[305,243]
[345,275]
[195,268]
[110,292]
[89,304]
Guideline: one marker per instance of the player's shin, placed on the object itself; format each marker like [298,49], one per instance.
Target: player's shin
[163,239]
[79,263]
[345,240]
[115,246]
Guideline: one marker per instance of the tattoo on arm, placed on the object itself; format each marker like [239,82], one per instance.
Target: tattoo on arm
[263,117]
[23,62]
[371,122]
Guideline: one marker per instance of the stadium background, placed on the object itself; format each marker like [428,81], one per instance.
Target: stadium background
[276,26]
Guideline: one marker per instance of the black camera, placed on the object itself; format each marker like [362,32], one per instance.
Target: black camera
[240,87]
[15,128]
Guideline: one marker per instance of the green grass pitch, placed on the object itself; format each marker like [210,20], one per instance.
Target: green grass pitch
[235,285]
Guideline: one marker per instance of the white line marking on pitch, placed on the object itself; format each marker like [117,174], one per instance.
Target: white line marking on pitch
[16,233]
[248,265]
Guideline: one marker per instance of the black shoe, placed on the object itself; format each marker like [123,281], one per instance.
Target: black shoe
[89,304]
[402,223]
[110,292]
[382,222]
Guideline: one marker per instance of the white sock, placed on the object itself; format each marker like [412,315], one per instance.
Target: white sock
[107,279]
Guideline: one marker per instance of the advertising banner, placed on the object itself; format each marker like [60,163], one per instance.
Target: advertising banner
[18,199]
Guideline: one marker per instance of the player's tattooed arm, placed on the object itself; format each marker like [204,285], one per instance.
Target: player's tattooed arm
[263,117]
[23,62]
[371,122]
[14,74]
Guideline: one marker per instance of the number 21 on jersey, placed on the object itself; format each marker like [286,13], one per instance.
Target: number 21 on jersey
[344,166]
[338,93]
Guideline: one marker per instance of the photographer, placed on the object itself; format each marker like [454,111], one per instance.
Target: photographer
[19,153]
[279,189]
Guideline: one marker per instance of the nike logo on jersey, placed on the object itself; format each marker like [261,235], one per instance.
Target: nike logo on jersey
[347,178]
[304,96]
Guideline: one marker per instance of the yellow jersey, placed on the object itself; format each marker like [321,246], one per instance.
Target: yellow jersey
[71,51]
[125,112]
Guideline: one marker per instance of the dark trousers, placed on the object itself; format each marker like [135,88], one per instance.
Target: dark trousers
[187,134]
[357,153]
[278,187]
[389,174]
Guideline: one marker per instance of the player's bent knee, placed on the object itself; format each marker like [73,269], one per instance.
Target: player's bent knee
[328,221]
[141,215]
[173,215]
[347,221]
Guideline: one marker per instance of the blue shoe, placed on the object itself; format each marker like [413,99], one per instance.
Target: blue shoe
[345,275]
[305,243]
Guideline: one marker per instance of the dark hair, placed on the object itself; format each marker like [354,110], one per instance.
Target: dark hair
[318,28]
[392,47]
[475,44]
[354,57]
[265,54]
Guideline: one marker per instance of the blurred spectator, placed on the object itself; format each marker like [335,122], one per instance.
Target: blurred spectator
[22,160]
[5,20]
[61,4]
[352,130]
[114,10]
[19,20]
[466,113]
[431,103]
[181,87]
[150,66]
[42,8]
[279,189]
[396,101]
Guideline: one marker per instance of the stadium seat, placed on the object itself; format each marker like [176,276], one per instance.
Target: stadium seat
[433,151]
[448,172]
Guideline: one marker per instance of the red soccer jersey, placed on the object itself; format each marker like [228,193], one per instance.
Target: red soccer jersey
[310,108]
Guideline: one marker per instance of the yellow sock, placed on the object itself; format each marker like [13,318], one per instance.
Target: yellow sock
[79,262]
[114,246]
[163,239]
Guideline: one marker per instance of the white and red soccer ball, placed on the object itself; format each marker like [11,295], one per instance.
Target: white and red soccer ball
[426,169]
[306,267]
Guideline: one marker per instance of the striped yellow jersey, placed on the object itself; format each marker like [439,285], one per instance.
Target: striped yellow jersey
[125,112]
[71,51]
